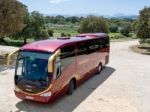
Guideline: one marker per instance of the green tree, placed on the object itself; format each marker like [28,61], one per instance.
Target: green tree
[12,14]
[60,19]
[93,24]
[34,22]
[50,32]
[27,30]
[126,29]
[113,28]
[143,27]
[37,22]
[43,34]
[135,25]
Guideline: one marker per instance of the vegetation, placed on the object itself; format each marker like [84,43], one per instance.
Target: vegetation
[12,14]
[93,24]
[126,29]
[143,25]
[113,28]
[20,26]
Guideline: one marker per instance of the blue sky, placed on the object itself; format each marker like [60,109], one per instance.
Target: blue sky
[73,7]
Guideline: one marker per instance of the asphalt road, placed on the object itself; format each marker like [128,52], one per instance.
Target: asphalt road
[123,86]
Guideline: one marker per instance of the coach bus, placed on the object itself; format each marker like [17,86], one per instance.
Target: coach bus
[48,69]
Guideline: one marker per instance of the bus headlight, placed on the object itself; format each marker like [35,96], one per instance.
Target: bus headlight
[48,94]
[17,89]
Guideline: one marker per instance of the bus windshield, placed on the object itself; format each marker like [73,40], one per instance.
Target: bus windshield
[32,69]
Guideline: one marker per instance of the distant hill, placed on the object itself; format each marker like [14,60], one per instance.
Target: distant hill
[122,16]
[118,16]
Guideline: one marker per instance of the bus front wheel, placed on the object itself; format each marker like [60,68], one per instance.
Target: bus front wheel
[71,87]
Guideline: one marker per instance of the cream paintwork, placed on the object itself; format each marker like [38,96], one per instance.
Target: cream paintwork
[36,93]
[50,69]
[51,60]
[9,57]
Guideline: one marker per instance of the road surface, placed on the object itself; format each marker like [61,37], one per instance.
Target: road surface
[123,86]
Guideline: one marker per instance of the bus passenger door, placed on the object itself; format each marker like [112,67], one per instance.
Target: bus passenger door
[64,68]
[57,80]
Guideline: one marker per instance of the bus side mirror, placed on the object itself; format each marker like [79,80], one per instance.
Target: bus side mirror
[9,56]
[51,61]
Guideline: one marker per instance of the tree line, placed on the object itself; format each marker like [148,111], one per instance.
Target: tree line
[17,23]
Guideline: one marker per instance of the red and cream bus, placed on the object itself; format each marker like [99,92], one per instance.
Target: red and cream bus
[48,69]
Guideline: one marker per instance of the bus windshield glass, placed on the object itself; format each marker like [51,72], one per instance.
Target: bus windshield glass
[32,69]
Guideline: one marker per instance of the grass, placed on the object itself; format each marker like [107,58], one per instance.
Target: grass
[68,29]
[114,34]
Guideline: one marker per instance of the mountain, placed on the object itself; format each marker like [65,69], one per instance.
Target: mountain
[122,16]
[118,16]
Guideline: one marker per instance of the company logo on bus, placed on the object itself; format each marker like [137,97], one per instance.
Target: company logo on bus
[29,88]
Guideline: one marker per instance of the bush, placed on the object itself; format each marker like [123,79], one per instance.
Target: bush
[143,27]
[63,35]
[125,31]
[50,32]
[118,36]
[113,28]
[143,41]
[43,34]
[10,42]
[93,24]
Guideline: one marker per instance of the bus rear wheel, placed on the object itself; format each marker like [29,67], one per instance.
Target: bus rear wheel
[100,67]
[71,88]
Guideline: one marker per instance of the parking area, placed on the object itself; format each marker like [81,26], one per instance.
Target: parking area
[123,86]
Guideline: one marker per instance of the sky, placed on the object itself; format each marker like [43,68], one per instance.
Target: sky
[74,7]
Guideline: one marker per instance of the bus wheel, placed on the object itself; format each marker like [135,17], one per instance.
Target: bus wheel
[100,67]
[71,88]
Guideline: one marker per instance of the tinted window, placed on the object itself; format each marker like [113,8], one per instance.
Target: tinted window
[105,42]
[94,45]
[82,48]
[67,51]
[67,56]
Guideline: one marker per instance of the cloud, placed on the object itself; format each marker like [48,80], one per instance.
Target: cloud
[57,1]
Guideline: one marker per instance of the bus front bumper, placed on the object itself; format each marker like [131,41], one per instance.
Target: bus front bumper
[39,98]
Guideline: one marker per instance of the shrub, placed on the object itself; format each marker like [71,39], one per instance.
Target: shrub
[113,28]
[117,36]
[125,31]
[143,27]
[50,32]
[143,41]
[43,34]
[10,42]
[63,35]
[93,24]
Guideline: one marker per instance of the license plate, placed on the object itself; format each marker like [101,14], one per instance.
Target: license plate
[29,97]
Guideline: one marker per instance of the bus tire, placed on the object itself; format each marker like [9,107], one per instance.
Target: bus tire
[100,67]
[71,88]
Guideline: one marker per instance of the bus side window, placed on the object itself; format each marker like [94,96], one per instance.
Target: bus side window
[58,73]
[68,51]
[82,48]
[67,56]
[93,45]
[57,70]
[105,42]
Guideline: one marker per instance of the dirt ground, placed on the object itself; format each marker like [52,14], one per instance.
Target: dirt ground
[140,49]
[123,86]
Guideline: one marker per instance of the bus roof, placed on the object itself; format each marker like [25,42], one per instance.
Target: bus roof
[93,35]
[52,45]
